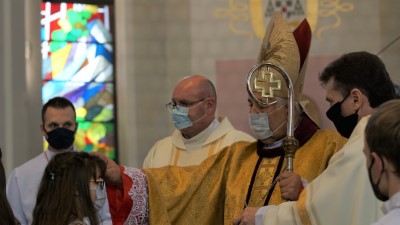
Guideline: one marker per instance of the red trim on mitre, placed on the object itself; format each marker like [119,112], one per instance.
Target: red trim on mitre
[302,34]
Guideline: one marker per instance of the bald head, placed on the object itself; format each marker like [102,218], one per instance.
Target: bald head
[198,93]
[197,85]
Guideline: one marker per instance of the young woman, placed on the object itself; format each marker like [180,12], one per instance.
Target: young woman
[6,213]
[71,190]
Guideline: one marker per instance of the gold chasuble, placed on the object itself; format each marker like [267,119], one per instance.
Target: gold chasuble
[215,191]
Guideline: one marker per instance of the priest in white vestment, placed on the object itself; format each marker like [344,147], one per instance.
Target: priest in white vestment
[198,134]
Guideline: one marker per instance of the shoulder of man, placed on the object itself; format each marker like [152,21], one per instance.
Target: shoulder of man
[241,135]
[33,166]
[329,133]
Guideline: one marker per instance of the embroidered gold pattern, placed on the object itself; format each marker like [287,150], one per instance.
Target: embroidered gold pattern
[261,84]
[263,181]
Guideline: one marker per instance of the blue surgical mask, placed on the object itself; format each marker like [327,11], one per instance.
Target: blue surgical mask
[259,124]
[180,117]
[101,197]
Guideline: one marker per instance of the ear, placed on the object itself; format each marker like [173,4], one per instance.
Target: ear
[42,129]
[357,98]
[378,164]
[211,104]
[76,127]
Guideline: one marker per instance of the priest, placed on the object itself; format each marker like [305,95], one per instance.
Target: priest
[243,174]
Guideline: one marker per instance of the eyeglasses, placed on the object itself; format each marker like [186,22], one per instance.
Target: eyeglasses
[99,182]
[172,106]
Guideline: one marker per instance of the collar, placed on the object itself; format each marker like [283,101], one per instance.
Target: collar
[360,128]
[393,202]
[304,131]
[219,127]
[202,136]
[48,154]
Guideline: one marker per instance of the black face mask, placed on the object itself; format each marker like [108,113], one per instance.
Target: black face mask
[344,124]
[379,195]
[61,138]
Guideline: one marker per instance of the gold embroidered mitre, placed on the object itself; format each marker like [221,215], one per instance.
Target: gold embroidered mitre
[289,51]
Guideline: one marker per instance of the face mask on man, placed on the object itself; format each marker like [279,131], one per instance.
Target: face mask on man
[180,117]
[259,124]
[344,124]
[375,187]
[101,197]
[60,138]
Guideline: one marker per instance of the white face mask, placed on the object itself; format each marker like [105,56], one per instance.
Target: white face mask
[259,124]
[180,117]
[101,197]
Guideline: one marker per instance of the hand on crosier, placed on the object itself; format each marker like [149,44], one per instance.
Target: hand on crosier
[290,185]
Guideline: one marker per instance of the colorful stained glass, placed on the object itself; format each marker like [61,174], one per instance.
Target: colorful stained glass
[74,22]
[92,101]
[98,137]
[81,62]
[77,63]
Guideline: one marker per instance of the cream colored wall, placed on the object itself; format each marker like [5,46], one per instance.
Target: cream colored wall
[389,28]
[361,27]
[153,53]
[20,82]
[195,37]
[157,43]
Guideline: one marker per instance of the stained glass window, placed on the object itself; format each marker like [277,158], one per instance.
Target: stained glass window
[78,63]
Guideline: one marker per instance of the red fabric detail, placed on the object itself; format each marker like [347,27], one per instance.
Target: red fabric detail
[119,201]
[302,34]
[305,130]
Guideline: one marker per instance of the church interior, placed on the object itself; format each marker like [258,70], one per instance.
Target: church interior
[156,43]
